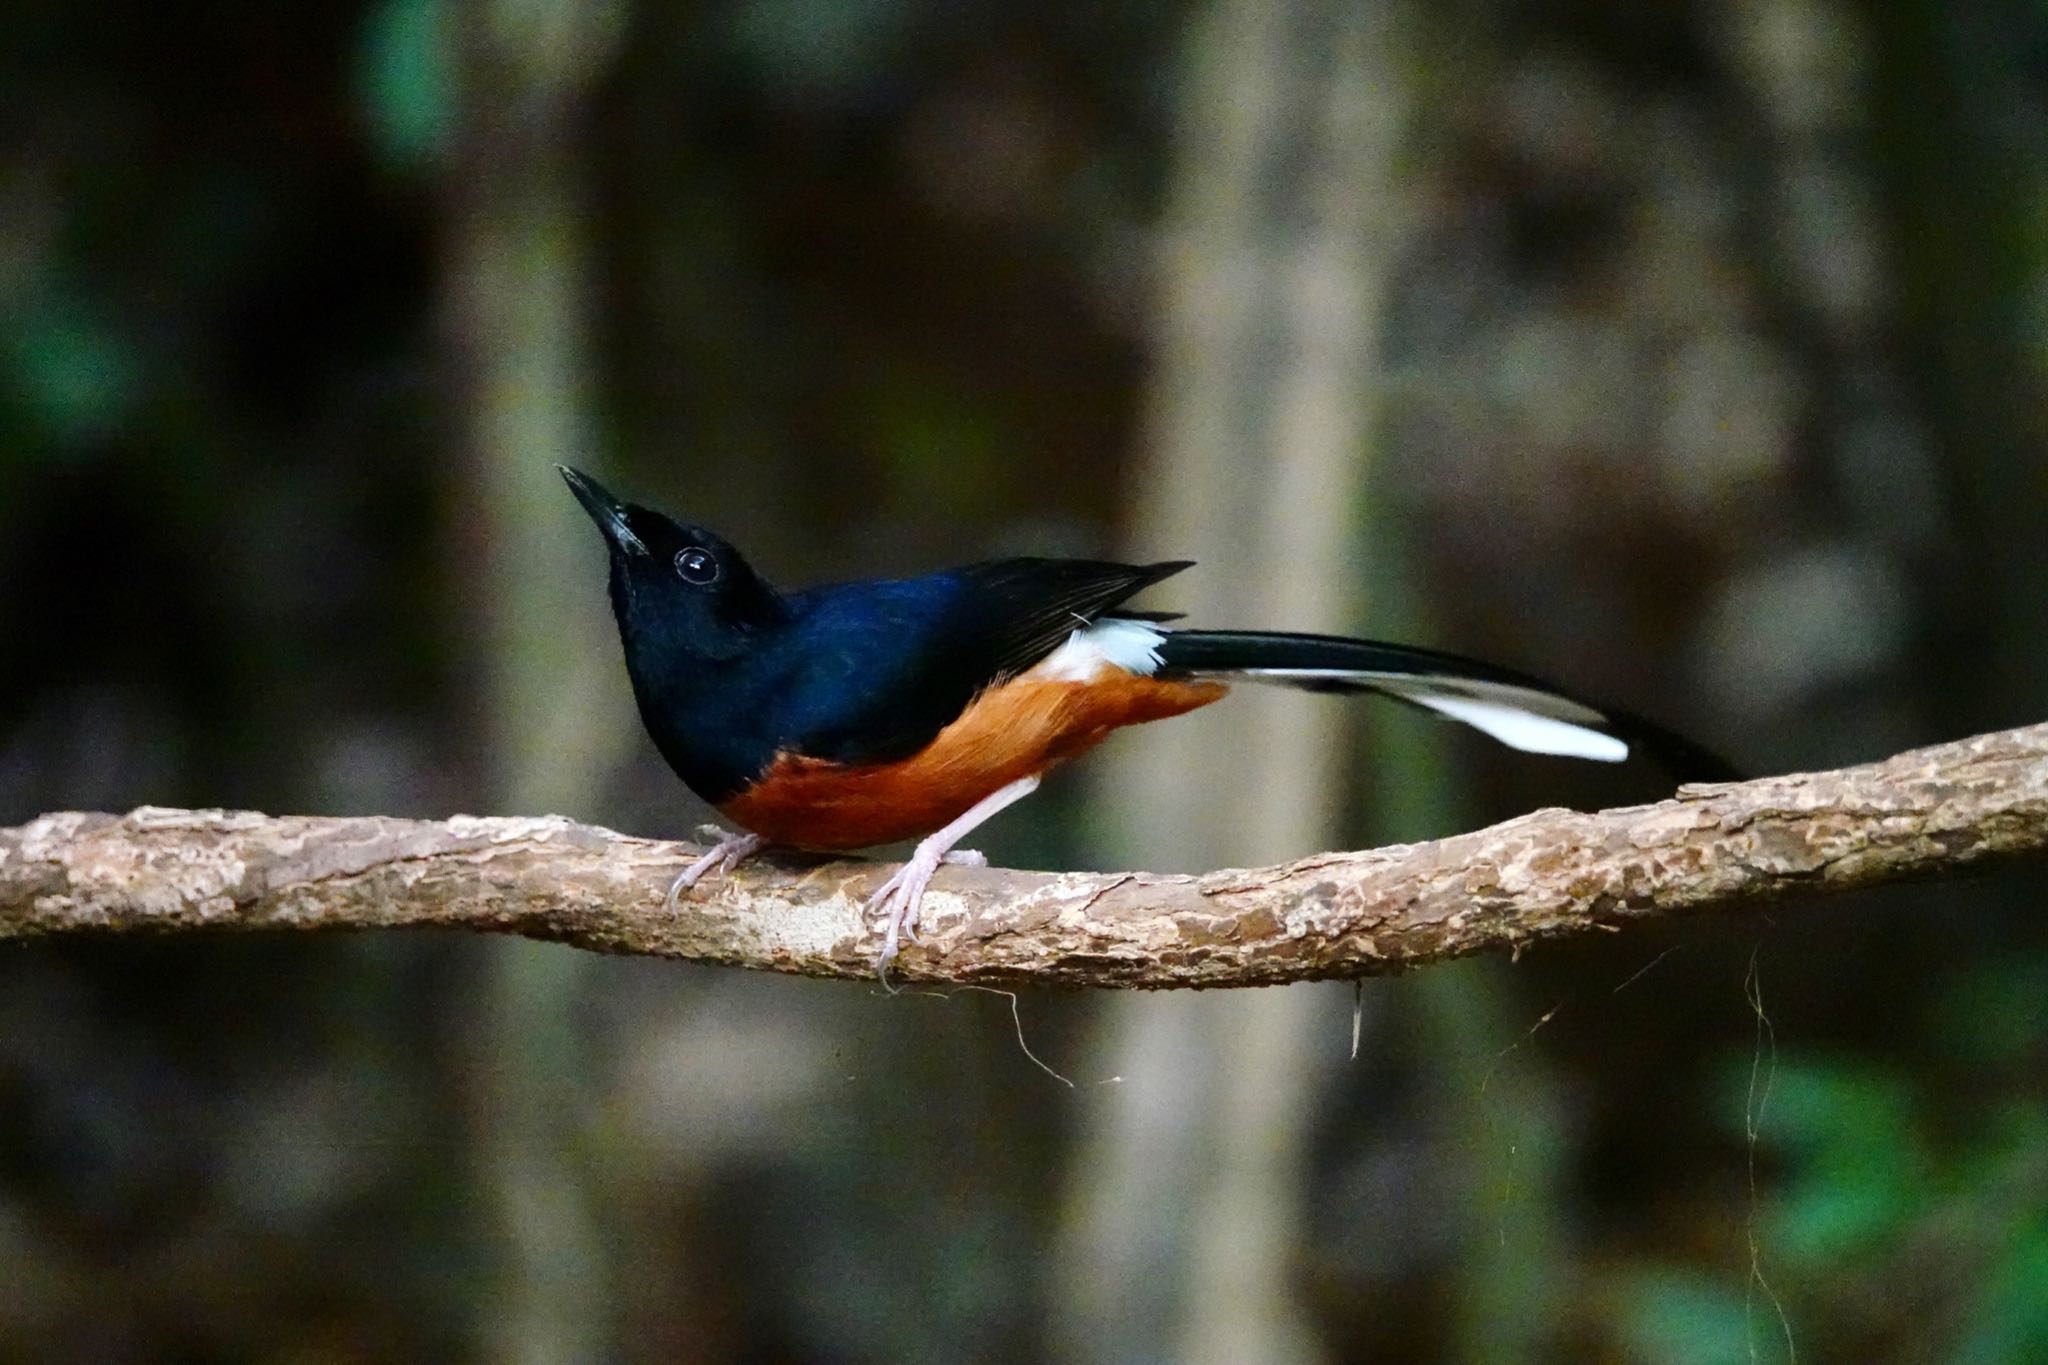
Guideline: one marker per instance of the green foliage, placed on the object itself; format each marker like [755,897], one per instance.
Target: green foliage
[1678,1318]
[2012,1321]
[405,80]
[74,369]
[1887,1183]
[1860,1179]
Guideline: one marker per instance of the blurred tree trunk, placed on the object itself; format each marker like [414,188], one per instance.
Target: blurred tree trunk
[1956,92]
[1655,321]
[1280,222]
[1493,1121]
[517,273]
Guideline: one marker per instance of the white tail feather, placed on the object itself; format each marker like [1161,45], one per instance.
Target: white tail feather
[1524,718]
[1524,730]
[1519,717]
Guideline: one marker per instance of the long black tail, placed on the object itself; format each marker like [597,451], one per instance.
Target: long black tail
[1519,711]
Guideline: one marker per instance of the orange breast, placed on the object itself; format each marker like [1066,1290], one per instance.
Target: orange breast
[1010,731]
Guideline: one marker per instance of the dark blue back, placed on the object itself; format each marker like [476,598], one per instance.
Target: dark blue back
[866,672]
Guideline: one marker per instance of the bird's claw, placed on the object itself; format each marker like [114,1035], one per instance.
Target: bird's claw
[902,897]
[728,853]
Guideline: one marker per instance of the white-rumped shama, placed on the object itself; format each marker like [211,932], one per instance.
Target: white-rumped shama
[861,713]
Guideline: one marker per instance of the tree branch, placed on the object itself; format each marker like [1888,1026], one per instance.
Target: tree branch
[1547,875]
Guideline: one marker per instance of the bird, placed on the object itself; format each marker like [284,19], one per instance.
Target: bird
[867,712]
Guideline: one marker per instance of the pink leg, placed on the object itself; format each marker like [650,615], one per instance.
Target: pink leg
[730,851]
[901,895]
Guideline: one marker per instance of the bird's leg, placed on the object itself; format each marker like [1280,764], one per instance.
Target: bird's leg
[728,853]
[901,895]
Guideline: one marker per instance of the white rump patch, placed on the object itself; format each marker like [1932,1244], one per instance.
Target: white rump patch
[1131,646]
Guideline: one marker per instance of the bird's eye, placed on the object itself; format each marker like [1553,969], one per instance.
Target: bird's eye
[696,565]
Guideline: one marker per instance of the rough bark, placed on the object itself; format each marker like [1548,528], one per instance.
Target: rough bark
[1548,875]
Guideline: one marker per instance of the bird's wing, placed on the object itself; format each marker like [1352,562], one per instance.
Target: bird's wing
[1014,612]
[888,665]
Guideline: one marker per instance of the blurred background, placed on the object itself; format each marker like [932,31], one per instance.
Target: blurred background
[1691,355]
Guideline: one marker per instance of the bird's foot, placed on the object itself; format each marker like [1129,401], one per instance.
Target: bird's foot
[728,853]
[901,897]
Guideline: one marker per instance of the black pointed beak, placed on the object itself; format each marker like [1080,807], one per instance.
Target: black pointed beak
[604,509]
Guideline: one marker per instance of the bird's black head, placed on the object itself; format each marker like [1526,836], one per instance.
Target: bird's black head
[680,593]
